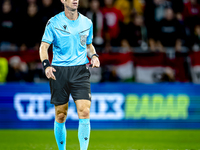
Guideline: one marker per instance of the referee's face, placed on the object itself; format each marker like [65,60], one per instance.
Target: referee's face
[71,4]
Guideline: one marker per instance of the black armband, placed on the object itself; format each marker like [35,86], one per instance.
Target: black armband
[46,63]
[95,55]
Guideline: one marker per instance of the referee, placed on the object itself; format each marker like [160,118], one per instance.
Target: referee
[71,34]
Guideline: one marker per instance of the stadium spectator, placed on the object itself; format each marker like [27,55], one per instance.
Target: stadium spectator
[196,38]
[135,32]
[18,70]
[97,18]
[30,29]
[112,17]
[58,5]
[176,5]
[83,6]
[125,46]
[35,72]
[168,75]
[7,27]
[139,6]
[109,74]
[31,2]
[170,33]
[153,13]
[47,10]
[125,7]
[3,70]
[191,14]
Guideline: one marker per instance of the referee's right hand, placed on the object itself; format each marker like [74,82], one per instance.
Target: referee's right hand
[49,73]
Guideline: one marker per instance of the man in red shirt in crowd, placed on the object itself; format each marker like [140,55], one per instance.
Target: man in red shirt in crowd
[112,18]
[191,13]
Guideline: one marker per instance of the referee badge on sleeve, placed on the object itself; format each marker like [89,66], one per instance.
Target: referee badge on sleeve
[83,39]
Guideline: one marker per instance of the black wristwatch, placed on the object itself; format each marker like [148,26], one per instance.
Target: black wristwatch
[95,55]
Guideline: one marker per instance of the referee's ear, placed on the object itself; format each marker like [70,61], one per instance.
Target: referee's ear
[63,1]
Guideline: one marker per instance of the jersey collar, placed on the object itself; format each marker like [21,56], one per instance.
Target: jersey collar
[72,21]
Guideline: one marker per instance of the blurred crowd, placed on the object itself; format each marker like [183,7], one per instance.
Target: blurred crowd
[151,25]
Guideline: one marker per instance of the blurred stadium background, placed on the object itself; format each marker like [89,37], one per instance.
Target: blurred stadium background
[144,96]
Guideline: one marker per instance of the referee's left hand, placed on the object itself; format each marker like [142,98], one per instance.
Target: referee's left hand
[95,62]
[49,72]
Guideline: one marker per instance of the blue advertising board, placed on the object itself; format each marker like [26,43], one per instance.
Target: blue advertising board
[114,106]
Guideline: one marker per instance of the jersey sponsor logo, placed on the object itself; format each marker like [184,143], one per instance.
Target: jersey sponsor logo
[83,39]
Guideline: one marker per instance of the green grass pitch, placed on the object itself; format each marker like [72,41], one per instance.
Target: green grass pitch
[103,140]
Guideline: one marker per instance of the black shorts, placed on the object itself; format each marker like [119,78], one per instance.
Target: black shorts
[72,80]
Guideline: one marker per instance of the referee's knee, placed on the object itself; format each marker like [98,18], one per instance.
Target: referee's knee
[84,113]
[61,117]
